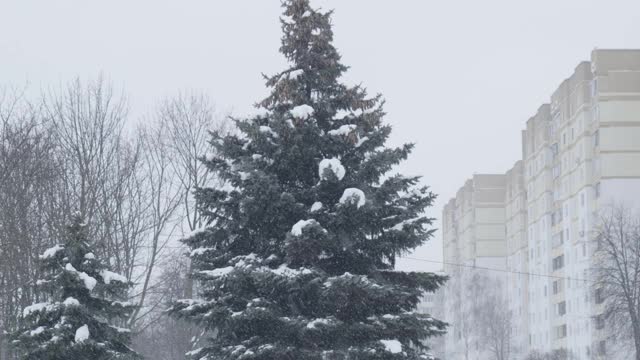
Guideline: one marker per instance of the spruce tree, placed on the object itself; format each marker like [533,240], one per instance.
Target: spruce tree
[83,303]
[297,260]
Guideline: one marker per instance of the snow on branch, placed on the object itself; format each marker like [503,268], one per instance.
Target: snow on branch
[333,165]
[353,195]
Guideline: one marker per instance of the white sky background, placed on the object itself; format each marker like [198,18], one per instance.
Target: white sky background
[460,77]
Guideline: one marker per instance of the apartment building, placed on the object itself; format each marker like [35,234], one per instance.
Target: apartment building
[517,280]
[580,154]
[473,229]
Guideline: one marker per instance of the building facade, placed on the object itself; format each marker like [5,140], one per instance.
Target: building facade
[580,154]
[473,229]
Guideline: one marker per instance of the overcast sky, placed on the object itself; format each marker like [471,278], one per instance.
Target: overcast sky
[460,77]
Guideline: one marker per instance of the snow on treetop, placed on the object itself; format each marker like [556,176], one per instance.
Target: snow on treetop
[267,130]
[334,165]
[400,225]
[316,206]
[199,251]
[217,272]
[295,73]
[193,352]
[70,302]
[312,324]
[392,346]
[254,112]
[37,331]
[296,230]
[353,195]
[361,141]
[343,130]
[109,276]
[51,252]
[82,334]
[341,114]
[120,329]
[194,232]
[89,282]
[89,256]
[36,307]
[346,275]
[284,270]
[301,112]
[190,303]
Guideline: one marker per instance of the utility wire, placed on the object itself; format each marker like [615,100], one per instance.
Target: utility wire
[458,265]
[498,270]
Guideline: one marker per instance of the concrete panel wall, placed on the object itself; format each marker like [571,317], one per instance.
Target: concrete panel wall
[490,215]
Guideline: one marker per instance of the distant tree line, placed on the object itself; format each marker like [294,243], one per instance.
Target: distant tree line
[76,149]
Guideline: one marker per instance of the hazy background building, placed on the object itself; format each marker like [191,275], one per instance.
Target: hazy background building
[580,154]
[474,237]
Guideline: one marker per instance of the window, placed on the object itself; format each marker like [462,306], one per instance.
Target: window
[599,296]
[558,262]
[597,190]
[562,308]
[600,322]
[557,239]
[596,138]
[557,286]
[561,331]
[602,347]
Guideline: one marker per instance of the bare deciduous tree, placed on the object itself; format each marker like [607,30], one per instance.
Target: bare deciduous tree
[163,197]
[186,122]
[178,138]
[72,152]
[123,187]
[484,321]
[495,321]
[167,338]
[28,165]
[617,273]
[87,121]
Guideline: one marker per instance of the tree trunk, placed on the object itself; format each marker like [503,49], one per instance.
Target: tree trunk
[636,338]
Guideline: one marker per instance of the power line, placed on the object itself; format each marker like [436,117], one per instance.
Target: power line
[499,270]
[454,264]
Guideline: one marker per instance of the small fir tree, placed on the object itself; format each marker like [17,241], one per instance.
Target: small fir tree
[297,261]
[83,303]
